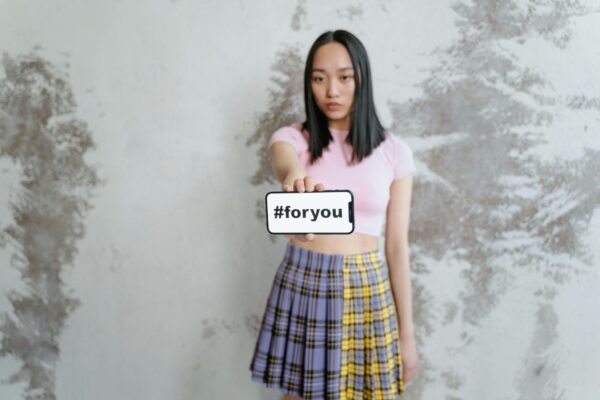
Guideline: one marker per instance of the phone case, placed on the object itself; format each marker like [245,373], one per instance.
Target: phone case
[319,212]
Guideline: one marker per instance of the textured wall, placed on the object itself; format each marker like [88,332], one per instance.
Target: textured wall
[134,260]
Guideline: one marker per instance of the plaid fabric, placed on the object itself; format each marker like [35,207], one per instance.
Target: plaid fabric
[329,328]
[371,360]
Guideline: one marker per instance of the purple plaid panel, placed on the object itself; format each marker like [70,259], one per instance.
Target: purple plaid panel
[299,342]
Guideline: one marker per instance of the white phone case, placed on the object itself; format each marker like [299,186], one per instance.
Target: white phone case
[325,212]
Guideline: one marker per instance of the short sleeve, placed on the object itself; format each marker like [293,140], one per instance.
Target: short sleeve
[289,135]
[404,163]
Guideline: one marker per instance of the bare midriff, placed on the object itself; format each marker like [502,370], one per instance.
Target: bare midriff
[340,244]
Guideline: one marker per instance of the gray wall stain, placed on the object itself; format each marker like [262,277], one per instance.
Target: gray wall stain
[210,328]
[451,310]
[118,259]
[350,12]
[286,106]
[356,11]
[485,218]
[299,17]
[253,323]
[562,218]
[453,379]
[38,131]
[538,378]
[208,332]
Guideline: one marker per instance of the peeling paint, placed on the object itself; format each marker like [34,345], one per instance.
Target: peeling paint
[451,311]
[38,131]
[453,379]
[478,90]
[351,12]
[208,332]
[286,106]
[118,259]
[538,379]
[299,17]
[211,328]
[253,323]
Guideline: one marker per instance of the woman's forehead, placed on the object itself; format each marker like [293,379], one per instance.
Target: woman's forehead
[332,53]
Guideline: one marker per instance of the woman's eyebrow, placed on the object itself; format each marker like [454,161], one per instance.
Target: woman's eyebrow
[339,69]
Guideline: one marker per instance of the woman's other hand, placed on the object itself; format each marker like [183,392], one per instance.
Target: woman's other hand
[410,358]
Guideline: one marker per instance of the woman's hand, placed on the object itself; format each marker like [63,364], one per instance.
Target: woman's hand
[410,358]
[301,185]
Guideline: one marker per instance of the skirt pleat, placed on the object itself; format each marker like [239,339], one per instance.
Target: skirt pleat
[329,329]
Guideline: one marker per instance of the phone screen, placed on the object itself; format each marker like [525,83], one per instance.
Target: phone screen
[328,211]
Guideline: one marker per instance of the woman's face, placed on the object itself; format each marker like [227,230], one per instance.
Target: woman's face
[332,83]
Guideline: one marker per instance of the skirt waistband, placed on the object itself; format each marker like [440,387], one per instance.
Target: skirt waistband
[302,257]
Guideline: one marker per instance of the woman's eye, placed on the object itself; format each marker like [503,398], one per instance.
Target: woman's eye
[316,78]
[347,76]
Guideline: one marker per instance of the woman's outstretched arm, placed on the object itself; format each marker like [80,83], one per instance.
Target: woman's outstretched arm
[286,164]
[290,173]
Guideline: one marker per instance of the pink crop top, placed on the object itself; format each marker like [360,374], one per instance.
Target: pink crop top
[369,180]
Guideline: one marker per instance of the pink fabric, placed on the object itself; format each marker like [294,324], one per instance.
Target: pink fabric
[369,180]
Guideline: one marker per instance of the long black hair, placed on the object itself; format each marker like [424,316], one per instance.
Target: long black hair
[366,131]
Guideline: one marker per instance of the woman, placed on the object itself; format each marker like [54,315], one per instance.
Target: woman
[338,324]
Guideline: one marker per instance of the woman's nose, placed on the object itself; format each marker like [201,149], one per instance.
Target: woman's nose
[332,89]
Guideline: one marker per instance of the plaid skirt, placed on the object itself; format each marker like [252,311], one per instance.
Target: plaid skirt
[329,329]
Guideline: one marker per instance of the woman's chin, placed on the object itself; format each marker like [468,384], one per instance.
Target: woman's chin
[335,115]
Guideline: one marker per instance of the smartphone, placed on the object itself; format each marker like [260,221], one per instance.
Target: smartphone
[325,212]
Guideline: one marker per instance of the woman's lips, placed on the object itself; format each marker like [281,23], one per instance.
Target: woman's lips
[333,106]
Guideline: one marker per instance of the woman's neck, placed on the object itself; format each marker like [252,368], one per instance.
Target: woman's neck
[340,124]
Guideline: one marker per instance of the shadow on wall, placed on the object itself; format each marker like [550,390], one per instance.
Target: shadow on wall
[39,132]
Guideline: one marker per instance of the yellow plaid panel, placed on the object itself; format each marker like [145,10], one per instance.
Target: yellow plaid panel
[371,361]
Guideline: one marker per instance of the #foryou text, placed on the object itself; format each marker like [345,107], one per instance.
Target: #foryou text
[313,214]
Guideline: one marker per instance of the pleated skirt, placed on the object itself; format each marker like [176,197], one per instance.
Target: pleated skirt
[329,329]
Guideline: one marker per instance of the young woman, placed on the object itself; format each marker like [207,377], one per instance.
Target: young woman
[338,323]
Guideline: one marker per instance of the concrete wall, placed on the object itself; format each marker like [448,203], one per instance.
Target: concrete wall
[134,259]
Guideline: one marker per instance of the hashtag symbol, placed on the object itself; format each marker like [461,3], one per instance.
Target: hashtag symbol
[278,211]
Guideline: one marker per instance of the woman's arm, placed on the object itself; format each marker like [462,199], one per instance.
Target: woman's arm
[397,252]
[291,174]
[286,164]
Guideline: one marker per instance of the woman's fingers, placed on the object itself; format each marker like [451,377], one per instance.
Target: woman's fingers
[308,237]
[305,184]
[299,185]
[309,183]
